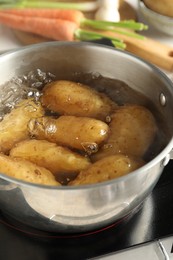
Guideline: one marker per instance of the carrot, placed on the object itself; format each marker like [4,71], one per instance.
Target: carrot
[74,16]
[69,15]
[56,29]
[66,27]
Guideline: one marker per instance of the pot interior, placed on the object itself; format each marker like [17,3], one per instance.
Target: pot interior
[122,76]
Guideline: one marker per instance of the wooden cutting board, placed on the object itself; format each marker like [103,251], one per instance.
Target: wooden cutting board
[151,50]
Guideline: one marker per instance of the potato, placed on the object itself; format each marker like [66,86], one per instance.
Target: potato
[55,158]
[164,7]
[76,132]
[26,171]
[13,127]
[71,98]
[108,168]
[132,131]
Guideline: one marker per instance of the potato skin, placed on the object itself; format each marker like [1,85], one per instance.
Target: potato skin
[56,159]
[132,131]
[164,7]
[70,131]
[26,171]
[108,168]
[13,127]
[71,98]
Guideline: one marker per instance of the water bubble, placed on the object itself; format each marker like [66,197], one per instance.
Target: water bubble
[90,148]
[30,108]
[34,94]
[108,119]
[50,129]
[107,146]
[30,93]
[37,84]
[96,75]
[76,73]
[25,86]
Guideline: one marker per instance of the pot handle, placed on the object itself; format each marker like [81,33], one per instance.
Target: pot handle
[167,158]
[171,154]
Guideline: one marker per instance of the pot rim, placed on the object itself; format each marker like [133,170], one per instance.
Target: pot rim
[158,159]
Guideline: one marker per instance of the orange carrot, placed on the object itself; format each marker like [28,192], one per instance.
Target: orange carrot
[57,29]
[69,15]
[63,25]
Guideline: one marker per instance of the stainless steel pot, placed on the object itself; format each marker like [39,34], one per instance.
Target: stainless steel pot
[84,208]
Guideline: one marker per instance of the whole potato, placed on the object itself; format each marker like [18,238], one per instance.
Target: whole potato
[56,159]
[76,132]
[13,127]
[164,7]
[108,168]
[71,98]
[26,171]
[132,131]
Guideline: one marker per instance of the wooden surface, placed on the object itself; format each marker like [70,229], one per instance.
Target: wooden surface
[151,50]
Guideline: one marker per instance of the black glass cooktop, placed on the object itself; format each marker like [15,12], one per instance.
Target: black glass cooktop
[153,220]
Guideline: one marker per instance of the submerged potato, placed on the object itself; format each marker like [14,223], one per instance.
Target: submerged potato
[71,98]
[132,131]
[26,171]
[55,158]
[70,131]
[13,127]
[107,168]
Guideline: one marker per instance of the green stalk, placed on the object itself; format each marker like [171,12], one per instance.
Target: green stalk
[86,6]
[106,25]
[117,45]
[5,6]
[7,2]
[94,24]
[84,35]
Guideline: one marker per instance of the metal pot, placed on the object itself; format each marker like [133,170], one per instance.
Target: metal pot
[84,208]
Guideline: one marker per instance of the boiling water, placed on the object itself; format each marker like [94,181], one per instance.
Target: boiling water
[31,85]
[18,88]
